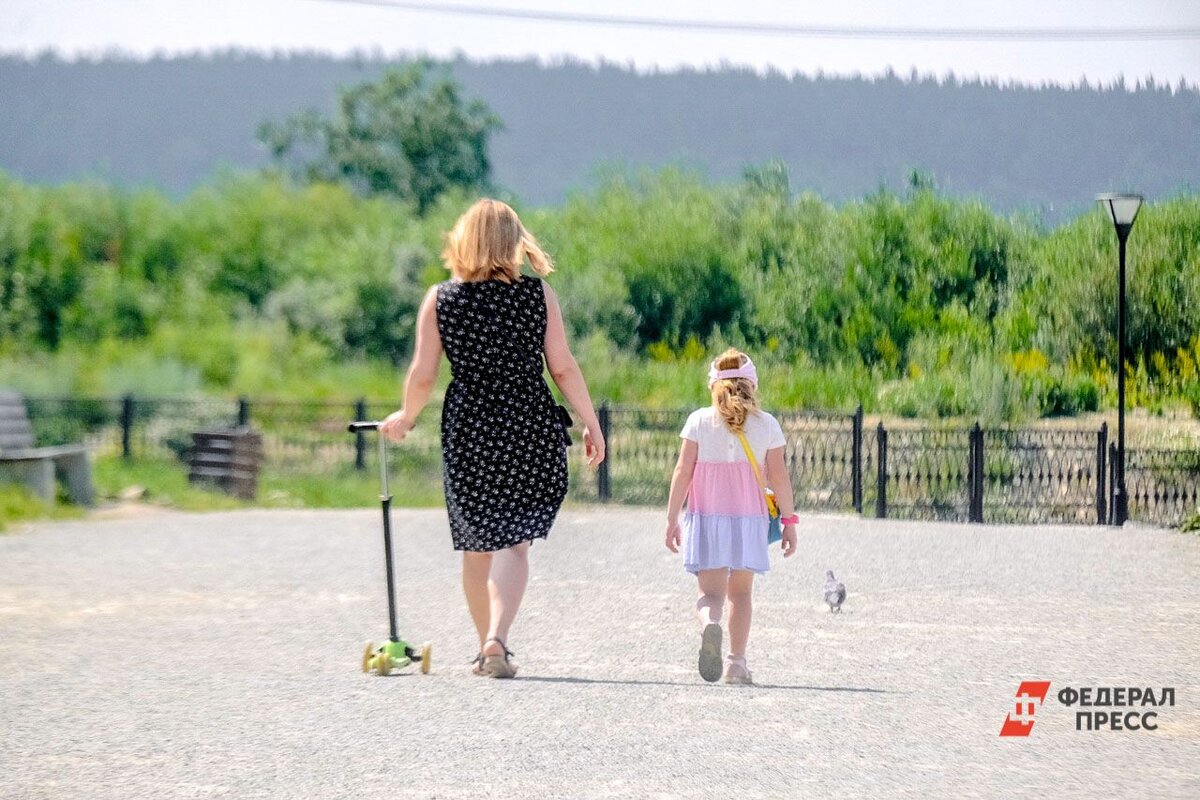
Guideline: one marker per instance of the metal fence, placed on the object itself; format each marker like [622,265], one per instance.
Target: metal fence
[1044,475]
[836,461]
[1163,485]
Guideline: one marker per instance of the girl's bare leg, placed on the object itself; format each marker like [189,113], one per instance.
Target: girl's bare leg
[739,588]
[711,602]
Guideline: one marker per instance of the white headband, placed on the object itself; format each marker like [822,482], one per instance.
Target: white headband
[746,371]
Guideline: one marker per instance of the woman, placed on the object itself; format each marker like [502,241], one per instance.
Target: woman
[503,439]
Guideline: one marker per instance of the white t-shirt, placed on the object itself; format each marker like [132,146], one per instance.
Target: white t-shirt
[718,444]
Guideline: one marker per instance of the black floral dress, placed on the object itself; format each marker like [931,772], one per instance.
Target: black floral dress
[504,458]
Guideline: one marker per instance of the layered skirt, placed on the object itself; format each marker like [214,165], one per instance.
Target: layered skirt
[725,524]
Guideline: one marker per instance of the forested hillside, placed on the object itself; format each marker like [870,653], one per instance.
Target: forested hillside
[170,123]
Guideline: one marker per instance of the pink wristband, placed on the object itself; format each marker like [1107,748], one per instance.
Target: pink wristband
[794,519]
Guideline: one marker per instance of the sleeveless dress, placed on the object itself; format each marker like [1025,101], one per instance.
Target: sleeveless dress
[725,523]
[504,456]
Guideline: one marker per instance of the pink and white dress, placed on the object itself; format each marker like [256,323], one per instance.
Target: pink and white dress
[725,519]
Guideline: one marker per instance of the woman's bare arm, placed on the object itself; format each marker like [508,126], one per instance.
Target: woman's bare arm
[422,372]
[565,372]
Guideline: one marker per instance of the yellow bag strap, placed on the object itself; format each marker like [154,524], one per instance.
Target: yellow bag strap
[753,462]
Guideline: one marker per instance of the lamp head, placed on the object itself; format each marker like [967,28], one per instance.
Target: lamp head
[1122,208]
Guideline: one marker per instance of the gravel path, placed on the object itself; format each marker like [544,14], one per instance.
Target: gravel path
[216,655]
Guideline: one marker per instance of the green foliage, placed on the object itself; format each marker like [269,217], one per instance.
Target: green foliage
[1192,394]
[382,318]
[658,242]
[408,134]
[915,305]
[1068,396]
[248,286]
[1072,284]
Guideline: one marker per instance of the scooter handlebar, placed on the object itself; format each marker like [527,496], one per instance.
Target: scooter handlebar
[355,427]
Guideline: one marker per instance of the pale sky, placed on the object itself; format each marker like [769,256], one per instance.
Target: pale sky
[149,27]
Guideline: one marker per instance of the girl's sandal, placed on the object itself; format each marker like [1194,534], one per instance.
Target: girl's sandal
[498,666]
[477,664]
[736,672]
[710,653]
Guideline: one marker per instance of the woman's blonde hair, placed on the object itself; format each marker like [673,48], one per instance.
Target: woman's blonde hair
[489,242]
[734,398]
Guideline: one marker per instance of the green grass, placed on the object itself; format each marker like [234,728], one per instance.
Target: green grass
[166,484]
[349,489]
[18,504]
[414,483]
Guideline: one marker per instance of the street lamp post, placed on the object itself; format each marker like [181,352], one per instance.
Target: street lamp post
[1123,209]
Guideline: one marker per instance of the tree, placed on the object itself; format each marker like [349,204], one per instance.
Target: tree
[410,134]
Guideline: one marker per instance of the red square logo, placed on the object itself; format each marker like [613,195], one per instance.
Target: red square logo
[1030,695]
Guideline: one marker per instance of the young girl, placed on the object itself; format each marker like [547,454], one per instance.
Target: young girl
[724,532]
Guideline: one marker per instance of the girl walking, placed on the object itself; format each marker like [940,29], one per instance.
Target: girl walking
[504,440]
[732,453]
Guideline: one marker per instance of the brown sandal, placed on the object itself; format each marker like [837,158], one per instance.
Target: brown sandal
[498,666]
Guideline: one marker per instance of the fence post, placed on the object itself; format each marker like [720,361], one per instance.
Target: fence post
[243,412]
[856,461]
[1101,473]
[975,475]
[881,437]
[360,440]
[980,475]
[603,482]
[1112,483]
[127,427]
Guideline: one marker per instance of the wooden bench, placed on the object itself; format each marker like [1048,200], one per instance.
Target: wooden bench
[36,467]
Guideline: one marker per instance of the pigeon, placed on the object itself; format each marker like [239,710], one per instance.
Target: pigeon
[835,592]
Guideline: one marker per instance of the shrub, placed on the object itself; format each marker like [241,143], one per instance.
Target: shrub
[1063,396]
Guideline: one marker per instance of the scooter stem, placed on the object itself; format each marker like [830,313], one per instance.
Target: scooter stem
[385,500]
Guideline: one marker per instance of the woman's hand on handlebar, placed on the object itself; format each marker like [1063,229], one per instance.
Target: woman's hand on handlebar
[396,426]
[593,447]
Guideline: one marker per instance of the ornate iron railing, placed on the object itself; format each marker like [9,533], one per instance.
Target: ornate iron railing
[927,473]
[1044,476]
[821,458]
[836,461]
[1163,485]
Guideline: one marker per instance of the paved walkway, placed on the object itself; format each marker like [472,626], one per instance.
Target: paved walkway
[216,655]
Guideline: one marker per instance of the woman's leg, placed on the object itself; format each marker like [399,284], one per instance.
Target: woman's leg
[712,594]
[740,587]
[506,588]
[475,569]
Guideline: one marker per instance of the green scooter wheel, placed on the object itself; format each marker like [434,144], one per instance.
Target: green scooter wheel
[368,654]
[426,654]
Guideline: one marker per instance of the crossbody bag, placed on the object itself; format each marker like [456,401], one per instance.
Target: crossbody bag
[774,529]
